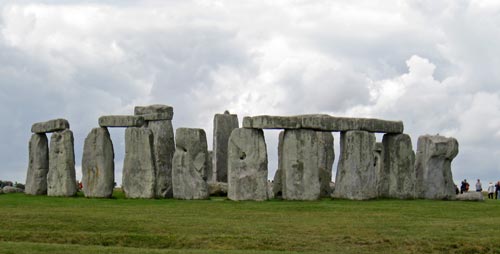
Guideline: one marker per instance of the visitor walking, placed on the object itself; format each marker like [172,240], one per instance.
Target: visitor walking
[464,186]
[497,189]
[491,190]
[479,186]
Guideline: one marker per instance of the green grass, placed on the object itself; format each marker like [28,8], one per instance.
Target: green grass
[40,224]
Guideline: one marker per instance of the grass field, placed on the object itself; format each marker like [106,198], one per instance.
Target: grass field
[40,224]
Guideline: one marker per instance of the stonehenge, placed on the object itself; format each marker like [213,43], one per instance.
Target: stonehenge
[247,165]
[189,165]
[159,164]
[224,124]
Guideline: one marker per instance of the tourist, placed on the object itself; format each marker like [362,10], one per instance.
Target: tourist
[463,187]
[491,190]
[497,189]
[479,186]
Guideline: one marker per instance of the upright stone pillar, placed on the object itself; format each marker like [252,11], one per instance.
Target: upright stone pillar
[278,176]
[158,118]
[189,172]
[382,176]
[433,167]
[224,124]
[356,173]
[247,168]
[61,178]
[36,179]
[326,155]
[210,168]
[98,167]
[399,166]
[139,173]
[305,164]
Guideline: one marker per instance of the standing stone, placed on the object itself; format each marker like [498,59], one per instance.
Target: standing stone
[158,120]
[224,124]
[382,176]
[36,179]
[98,167]
[278,176]
[356,173]
[399,165]
[326,158]
[247,165]
[210,168]
[164,148]
[139,174]
[433,167]
[61,178]
[189,171]
[302,164]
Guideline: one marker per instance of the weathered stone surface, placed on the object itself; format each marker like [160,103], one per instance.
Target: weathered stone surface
[382,176]
[217,189]
[189,172]
[326,156]
[278,176]
[224,124]
[121,121]
[210,168]
[247,165]
[433,167]
[36,178]
[305,164]
[155,112]
[323,123]
[399,166]
[11,189]
[139,173]
[470,196]
[164,148]
[61,178]
[50,126]
[98,166]
[356,173]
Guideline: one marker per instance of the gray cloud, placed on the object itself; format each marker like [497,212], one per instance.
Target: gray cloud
[432,65]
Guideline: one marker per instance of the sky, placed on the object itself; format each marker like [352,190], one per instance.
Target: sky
[432,64]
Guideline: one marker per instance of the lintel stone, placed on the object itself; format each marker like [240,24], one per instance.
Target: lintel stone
[323,123]
[155,112]
[50,126]
[121,121]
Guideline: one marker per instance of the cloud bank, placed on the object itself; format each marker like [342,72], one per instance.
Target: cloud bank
[433,65]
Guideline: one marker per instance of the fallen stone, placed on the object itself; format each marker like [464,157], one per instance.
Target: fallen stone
[98,167]
[155,112]
[139,173]
[11,189]
[356,173]
[224,124]
[470,196]
[323,123]
[278,176]
[247,165]
[36,178]
[61,178]
[217,189]
[399,166]
[50,126]
[189,171]
[433,167]
[121,121]
[305,164]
